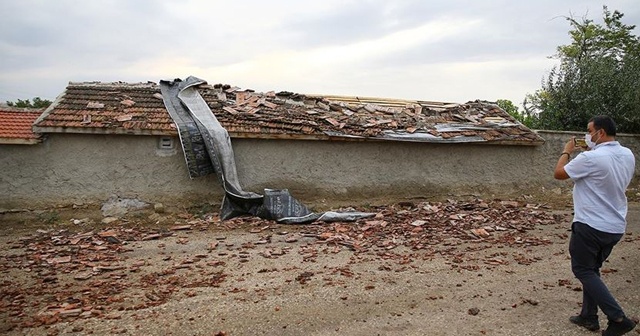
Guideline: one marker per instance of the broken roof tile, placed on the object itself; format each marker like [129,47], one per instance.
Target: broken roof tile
[126,108]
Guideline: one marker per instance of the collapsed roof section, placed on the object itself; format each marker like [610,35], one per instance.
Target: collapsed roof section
[138,108]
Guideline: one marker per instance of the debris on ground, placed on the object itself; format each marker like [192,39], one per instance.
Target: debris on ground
[89,274]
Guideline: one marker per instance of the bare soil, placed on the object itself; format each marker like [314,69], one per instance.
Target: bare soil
[416,268]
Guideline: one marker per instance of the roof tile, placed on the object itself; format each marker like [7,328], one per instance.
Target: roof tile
[15,125]
[139,108]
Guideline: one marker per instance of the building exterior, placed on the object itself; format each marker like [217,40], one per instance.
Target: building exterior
[102,139]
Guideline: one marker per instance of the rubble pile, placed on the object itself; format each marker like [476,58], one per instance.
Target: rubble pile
[60,275]
[423,225]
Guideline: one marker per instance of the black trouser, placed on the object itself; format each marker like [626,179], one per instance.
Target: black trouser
[589,248]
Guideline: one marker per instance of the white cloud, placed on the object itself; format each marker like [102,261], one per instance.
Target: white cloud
[454,50]
[330,64]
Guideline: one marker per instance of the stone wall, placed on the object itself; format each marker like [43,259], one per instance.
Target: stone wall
[70,168]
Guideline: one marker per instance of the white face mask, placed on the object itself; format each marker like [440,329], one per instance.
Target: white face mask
[588,141]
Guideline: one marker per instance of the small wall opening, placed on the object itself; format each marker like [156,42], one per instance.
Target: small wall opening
[166,143]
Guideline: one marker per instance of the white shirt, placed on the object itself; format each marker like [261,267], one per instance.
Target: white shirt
[601,177]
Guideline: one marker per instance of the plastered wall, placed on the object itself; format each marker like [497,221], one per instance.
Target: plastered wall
[70,168]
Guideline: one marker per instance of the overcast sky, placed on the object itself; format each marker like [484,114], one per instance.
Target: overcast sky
[451,51]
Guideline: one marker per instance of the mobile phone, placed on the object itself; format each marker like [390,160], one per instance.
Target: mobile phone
[579,142]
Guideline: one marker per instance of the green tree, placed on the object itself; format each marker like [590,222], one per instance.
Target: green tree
[599,73]
[509,107]
[37,103]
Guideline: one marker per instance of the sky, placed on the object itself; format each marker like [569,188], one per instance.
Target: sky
[445,51]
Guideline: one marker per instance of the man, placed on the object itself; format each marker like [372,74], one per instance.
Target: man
[601,175]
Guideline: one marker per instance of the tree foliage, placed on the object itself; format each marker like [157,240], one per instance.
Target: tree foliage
[37,103]
[599,73]
[509,107]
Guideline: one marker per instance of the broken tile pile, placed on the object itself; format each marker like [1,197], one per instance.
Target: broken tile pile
[94,261]
[89,274]
[420,225]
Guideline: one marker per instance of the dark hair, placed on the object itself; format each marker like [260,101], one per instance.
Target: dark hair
[604,122]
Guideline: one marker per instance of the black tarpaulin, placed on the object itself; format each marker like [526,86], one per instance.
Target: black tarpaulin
[207,149]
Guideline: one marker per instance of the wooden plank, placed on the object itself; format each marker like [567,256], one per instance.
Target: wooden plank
[384,101]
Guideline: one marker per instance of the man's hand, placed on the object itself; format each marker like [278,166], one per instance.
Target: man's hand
[570,146]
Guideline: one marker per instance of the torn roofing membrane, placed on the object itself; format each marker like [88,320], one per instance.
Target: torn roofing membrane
[188,109]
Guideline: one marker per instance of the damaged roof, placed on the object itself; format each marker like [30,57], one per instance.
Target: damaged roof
[138,108]
[15,125]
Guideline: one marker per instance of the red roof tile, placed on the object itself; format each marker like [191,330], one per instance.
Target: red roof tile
[109,108]
[15,125]
[138,108]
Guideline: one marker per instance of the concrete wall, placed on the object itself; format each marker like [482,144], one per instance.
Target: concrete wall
[68,168]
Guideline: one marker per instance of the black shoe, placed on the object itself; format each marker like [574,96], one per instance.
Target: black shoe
[619,328]
[589,324]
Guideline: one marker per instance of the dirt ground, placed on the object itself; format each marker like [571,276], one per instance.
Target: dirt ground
[398,273]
